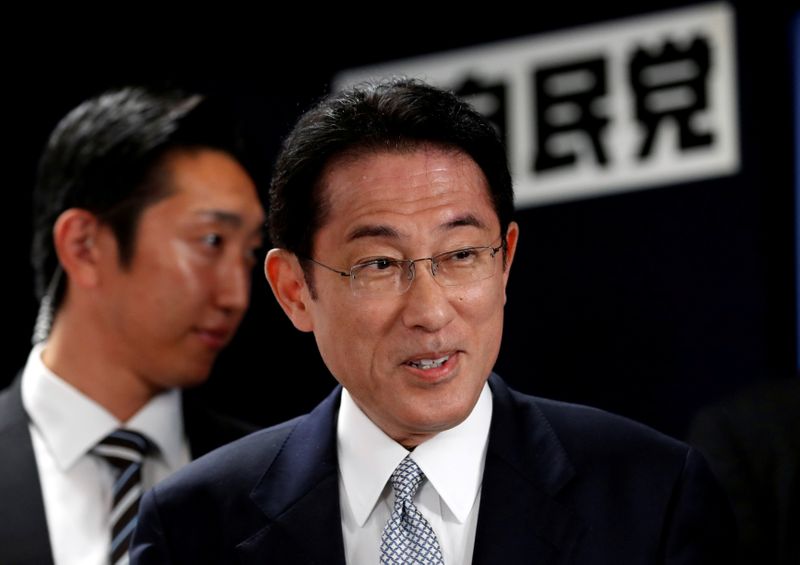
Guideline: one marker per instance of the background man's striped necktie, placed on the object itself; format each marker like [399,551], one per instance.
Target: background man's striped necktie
[124,450]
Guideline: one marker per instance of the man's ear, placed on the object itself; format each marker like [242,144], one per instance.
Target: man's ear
[512,236]
[288,283]
[75,239]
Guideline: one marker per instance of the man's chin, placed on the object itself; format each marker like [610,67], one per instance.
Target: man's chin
[192,376]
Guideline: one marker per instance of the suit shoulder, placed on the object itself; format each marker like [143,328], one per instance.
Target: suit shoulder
[755,414]
[591,434]
[5,398]
[234,462]
[12,413]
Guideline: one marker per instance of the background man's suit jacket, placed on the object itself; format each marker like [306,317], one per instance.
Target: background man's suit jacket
[23,527]
[752,443]
[562,484]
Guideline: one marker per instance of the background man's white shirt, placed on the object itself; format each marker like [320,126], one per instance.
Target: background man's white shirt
[76,485]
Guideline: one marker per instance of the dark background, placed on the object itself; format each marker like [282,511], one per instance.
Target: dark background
[649,303]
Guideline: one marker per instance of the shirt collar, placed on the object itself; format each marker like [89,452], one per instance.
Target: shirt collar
[453,460]
[52,404]
[161,420]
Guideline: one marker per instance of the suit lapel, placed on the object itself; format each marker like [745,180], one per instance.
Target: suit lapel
[23,539]
[299,495]
[520,520]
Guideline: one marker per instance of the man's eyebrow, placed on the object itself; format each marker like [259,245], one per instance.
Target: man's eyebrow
[222,216]
[378,230]
[381,230]
[230,218]
[465,220]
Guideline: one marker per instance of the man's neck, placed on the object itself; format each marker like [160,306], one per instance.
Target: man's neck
[75,353]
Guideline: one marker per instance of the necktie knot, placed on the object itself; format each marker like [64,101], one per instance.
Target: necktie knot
[406,479]
[122,448]
[408,538]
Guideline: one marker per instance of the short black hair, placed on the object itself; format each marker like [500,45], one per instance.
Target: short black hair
[396,114]
[103,157]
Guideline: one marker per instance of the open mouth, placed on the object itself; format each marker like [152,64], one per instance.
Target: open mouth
[426,364]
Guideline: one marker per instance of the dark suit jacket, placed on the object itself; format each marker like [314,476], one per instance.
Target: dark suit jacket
[562,484]
[23,529]
[752,443]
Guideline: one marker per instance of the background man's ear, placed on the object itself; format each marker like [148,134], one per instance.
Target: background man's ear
[75,239]
[288,283]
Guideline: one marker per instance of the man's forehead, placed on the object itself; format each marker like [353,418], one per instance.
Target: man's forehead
[393,194]
[207,185]
[353,181]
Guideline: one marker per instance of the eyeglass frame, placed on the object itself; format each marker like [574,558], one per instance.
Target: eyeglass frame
[412,262]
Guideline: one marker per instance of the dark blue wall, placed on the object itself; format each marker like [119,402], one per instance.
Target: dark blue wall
[650,303]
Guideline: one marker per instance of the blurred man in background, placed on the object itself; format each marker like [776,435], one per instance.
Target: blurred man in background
[752,442]
[146,227]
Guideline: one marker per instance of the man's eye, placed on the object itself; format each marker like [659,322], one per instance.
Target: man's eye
[382,263]
[463,255]
[379,264]
[212,239]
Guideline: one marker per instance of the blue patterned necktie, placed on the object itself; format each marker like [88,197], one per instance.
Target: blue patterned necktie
[124,450]
[408,537]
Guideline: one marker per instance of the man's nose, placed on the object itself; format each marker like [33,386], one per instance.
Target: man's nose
[427,304]
[234,285]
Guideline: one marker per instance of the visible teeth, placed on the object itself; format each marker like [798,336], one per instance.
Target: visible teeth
[426,364]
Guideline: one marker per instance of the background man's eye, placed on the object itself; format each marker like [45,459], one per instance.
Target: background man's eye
[212,239]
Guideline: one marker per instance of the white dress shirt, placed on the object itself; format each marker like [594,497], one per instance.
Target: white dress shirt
[452,461]
[76,485]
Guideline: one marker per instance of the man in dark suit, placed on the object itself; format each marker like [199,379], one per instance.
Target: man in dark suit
[391,210]
[146,227]
[752,443]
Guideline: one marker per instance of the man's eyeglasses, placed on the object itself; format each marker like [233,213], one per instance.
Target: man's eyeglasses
[384,275]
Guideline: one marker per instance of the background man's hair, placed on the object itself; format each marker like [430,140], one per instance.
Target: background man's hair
[104,156]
